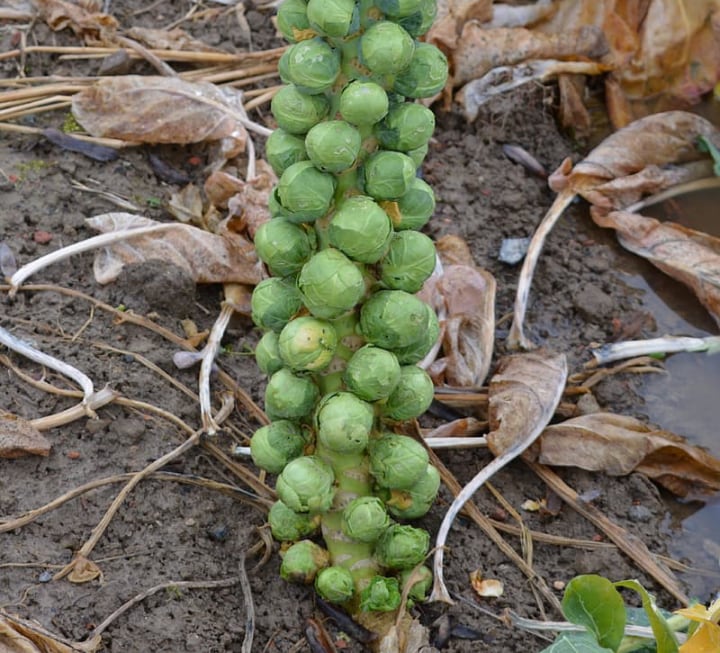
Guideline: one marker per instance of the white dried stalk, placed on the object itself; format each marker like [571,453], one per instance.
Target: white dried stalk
[616,351]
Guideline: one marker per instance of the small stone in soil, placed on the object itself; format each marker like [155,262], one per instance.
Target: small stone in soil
[593,304]
[218,533]
[639,513]
[45,577]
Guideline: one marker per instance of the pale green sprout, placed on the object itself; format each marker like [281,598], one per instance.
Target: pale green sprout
[381,595]
[372,373]
[274,301]
[292,19]
[283,246]
[330,284]
[361,229]
[409,262]
[273,446]
[311,65]
[333,145]
[419,22]
[416,351]
[307,344]
[282,149]
[363,103]
[412,395]
[344,422]
[393,319]
[331,17]
[335,584]
[418,154]
[287,525]
[402,547]
[302,562]
[289,396]
[267,354]
[386,48]
[305,191]
[388,175]
[417,500]
[306,485]
[397,461]
[422,579]
[426,74]
[297,112]
[365,519]
[407,126]
[416,206]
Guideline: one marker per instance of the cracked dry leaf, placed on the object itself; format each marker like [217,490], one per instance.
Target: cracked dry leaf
[250,203]
[207,257]
[18,438]
[135,108]
[618,445]
[85,19]
[18,635]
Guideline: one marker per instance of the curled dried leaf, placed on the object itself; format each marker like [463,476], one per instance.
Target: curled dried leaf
[486,587]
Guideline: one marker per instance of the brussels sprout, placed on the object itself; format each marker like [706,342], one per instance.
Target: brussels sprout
[276,209]
[296,112]
[386,48]
[307,344]
[402,547]
[426,75]
[406,127]
[333,145]
[274,301]
[363,103]
[302,561]
[419,22]
[388,175]
[335,584]
[306,485]
[365,519]
[416,206]
[415,352]
[283,246]
[282,149]
[276,444]
[330,284]
[361,229]
[311,65]
[381,595]
[418,155]
[292,19]
[412,395]
[287,525]
[393,318]
[305,191]
[331,17]
[372,373]
[397,461]
[409,262]
[421,578]
[398,8]
[344,423]
[417,500]
[267,354]
[288,396]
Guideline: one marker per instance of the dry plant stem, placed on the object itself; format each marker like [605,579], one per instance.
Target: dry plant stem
[675,191]
[249,608]
[98,400]
[616,351]
[208,358]
[516,337]
[109,142]
[628,544]
[152,59]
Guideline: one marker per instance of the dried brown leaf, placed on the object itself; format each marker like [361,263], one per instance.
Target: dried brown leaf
[84,570]
[618,445]
[135,108]
[250,204]
[451,16]
[209,258]
[18,635]
[20,438]
[83,18]
[174,39]
[488,587]
[186,205]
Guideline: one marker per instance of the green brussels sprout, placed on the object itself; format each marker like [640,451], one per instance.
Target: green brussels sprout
[331,17]
[419,22]
[335,584]
[274,301]
[386,48]
[388,175]
[306,485]
[287,525]
[418,154]
[282,149]
[381,595]
[288,396]
[305,191]
[267,354]
[292,19]
[416,351]
[311,65]
[363,103]
[398,8]
[426,75]
[361,229]
[307,344]
[397,461]
[402,547]
[372,373]
[283,246]
[412,395]
[365,519]
[297,112]
[275,445]
[344,423]
[393,318]
[417,500]
[407,126]
[276,209]
[410,260]
[416,206]
[333,145]
[421,579]
[302,561]
[330,284]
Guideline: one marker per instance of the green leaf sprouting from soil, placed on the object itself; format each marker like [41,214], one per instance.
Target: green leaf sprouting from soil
[666,641]
[576,643]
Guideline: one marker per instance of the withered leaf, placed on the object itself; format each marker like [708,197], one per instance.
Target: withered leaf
[174,39]
[18,635]
[85,19]
[250,204]
[451,16]
[83,571]
[486,587]
[618,445]
[18,437]
[207,257]
[135,108]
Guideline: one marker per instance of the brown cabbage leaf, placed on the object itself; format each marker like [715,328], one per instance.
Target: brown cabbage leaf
[18,635]
[18,437]
[84,18]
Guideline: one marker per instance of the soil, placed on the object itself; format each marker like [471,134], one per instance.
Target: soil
[167,531]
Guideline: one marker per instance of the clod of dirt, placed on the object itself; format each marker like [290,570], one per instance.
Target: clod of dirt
[593,304]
